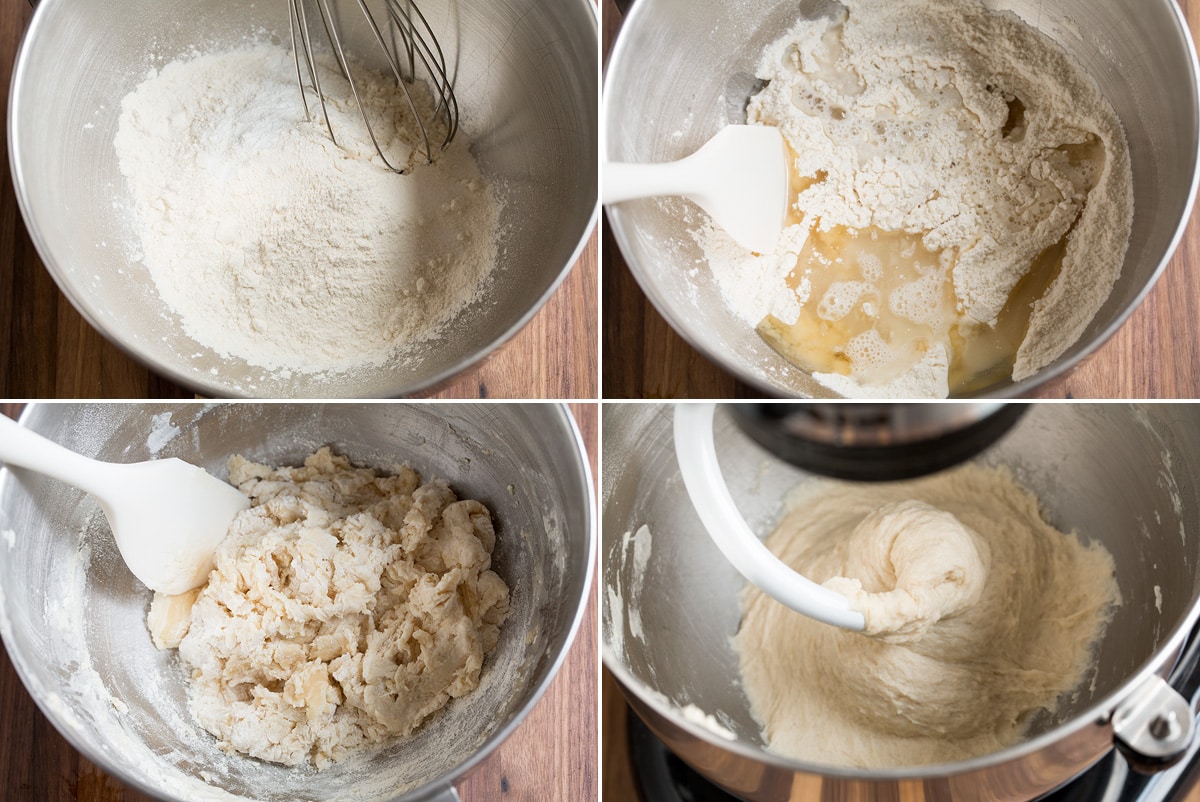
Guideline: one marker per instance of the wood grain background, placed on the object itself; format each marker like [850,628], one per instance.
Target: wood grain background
[551,756]
[47,350]
[1156,354]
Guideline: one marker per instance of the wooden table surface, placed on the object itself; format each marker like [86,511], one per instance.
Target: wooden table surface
[1156,354]
[551,756]
[47,350]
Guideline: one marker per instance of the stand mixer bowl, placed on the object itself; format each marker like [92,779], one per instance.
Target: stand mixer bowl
[73,619]
[683,69]
[1125,475]
[525,78]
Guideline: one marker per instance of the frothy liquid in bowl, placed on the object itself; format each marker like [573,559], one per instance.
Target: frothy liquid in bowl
[962,200]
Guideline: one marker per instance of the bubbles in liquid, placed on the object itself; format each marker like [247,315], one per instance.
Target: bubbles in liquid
[920,301]
[869,353]
[841,298]
[884,299]
[871,266]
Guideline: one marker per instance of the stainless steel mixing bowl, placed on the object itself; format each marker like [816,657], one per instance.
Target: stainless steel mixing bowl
[1127,476]
[682,69]
[527,86]
[73,618]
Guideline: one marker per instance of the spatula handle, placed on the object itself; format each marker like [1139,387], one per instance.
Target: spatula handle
[26,448]
[624,181]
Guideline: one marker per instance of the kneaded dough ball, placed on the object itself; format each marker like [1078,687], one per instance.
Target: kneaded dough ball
[344,609]
[980,616]
[907,566]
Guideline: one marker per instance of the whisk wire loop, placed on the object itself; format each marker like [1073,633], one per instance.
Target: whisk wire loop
[298,21]
[413,38]
[339,54]
[429,49]
[401,81]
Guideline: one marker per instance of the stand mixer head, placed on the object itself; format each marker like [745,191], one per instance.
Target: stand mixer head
[875,442]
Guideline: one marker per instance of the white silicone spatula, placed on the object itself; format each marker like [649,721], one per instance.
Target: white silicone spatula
[167,516]
[740,177]
[697,454]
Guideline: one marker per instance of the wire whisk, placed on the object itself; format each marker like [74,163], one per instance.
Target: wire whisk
[409,41]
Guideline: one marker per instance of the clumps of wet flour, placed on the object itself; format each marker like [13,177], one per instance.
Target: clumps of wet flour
[345,608]
[274,245]
[960,125]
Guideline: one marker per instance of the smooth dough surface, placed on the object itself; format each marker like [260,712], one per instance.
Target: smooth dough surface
[345,608]
[980,616]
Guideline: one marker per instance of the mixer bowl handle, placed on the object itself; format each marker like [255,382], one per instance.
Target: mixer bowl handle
[1155,725]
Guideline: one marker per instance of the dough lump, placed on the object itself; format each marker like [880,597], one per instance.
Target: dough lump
[926,564]
[980,616]
[344,609]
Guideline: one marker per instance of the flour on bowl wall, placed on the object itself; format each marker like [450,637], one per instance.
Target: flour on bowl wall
[623,594]
[85,704]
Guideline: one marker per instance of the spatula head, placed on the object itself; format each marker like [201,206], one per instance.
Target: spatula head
[169,520]
[745,183]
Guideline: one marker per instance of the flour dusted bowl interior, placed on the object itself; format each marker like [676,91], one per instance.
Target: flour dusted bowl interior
[525,77]
[74,621]
[703,57]
[1124,475]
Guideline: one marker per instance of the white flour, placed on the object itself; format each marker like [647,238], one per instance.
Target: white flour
[276,246]
[964,128]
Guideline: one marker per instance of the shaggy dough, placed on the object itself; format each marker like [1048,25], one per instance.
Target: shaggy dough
[980,616]
[344,609]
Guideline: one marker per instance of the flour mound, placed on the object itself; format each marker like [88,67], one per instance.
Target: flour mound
[277,246]
[345,608]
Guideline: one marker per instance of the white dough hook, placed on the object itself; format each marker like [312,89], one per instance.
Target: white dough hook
[697,454]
